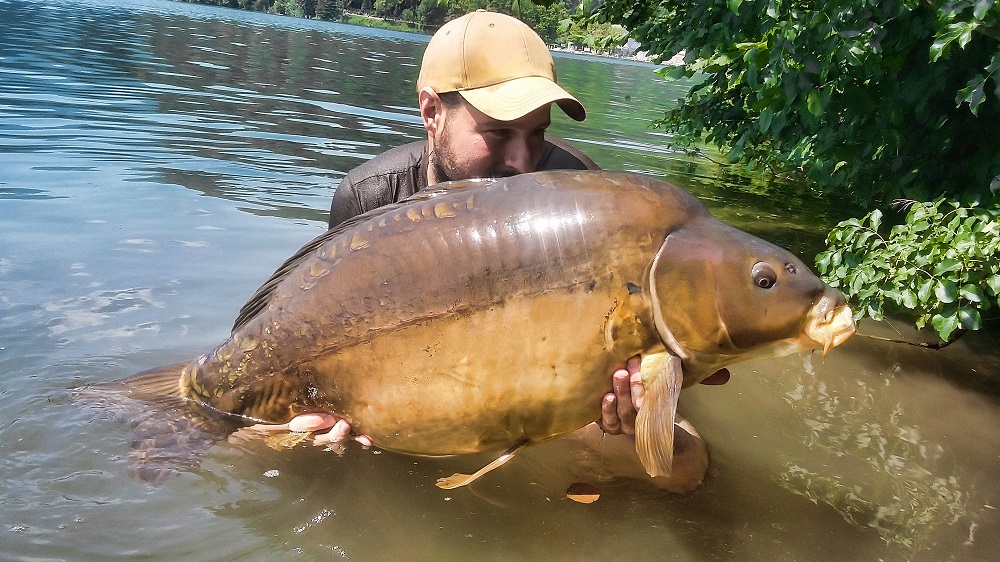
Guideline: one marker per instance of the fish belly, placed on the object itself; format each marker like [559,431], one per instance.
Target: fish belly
[526,369]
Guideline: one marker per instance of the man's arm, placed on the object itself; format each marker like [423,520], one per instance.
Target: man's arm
[345,203]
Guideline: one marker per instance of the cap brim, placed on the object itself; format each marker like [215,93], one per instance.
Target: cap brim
[516,98]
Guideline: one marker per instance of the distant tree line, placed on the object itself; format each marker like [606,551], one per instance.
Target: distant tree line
[552,22]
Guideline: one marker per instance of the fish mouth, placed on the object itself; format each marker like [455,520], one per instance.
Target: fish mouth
[829,326]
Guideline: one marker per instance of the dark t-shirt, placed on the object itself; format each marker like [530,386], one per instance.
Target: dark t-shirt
[402,171]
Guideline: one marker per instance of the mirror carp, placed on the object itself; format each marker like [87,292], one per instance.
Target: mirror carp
[487,315]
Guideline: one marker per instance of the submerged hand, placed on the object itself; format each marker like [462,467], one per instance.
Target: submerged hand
[339,429]
[619,407]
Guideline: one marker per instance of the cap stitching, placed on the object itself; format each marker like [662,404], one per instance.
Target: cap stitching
[465,54]
[529,64]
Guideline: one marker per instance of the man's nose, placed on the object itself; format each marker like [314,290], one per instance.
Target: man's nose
[518,156]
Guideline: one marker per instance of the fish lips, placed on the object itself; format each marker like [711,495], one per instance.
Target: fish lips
[829,325]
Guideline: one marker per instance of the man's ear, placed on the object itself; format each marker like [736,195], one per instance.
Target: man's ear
[431,111]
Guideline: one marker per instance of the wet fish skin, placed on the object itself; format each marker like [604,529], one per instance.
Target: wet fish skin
[489,313]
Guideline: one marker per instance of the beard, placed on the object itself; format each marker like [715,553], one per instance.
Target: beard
[446,167]
[442,161]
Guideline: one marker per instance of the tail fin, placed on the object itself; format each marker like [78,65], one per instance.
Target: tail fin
[171,432]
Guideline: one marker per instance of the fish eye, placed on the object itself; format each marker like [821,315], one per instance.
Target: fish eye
[763,275]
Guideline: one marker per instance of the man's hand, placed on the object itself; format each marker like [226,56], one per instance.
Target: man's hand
[619,407]
[339,429]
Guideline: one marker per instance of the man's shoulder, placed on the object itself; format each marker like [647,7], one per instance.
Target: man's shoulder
[561,155]
[389,177]
[405,159]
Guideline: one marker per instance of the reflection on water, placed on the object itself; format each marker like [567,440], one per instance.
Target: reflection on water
[160,159]
[890,479]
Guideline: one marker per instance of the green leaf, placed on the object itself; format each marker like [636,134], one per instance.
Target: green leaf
[814,103]
[875,218]
[945,324]
[734,6]
[994,284]
[772,10]
[946,291]
[972,94]
[765,119]
[947,265]
[971,293]
[925,291]
[958,31]
[982,6]
[969,318]
[823,261]
[673,72]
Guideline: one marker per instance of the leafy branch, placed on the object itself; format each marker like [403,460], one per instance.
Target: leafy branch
[940,265]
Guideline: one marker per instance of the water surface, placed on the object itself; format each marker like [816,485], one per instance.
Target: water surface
[160,159]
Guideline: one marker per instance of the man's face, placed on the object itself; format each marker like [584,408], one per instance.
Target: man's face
[470,144]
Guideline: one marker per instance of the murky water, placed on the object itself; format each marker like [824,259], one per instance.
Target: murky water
[158,160]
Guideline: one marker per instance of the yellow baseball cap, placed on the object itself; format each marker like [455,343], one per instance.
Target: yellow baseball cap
[498,64]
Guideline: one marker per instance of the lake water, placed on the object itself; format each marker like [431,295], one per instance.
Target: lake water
[159,160]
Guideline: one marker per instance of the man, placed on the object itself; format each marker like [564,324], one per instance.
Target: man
[486,85]
[484,91]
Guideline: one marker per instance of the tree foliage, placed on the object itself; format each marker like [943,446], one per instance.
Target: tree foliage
[885,99]
[878,99]
[942,263]
[320,9]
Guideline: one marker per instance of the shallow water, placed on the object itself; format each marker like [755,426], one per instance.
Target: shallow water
[160,159]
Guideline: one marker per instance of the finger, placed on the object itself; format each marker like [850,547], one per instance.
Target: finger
[609,414]
[334,439]
[364,440]
[311,422]
[633,364]
[719,377]
[636,389]
[622,390]
[340,431]
[626,415]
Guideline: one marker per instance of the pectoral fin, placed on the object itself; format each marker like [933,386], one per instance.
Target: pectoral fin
[654,425]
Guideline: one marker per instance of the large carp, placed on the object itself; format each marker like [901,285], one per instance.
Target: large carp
[489,314]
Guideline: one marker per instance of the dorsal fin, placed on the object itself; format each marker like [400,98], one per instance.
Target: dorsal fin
[262,296]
